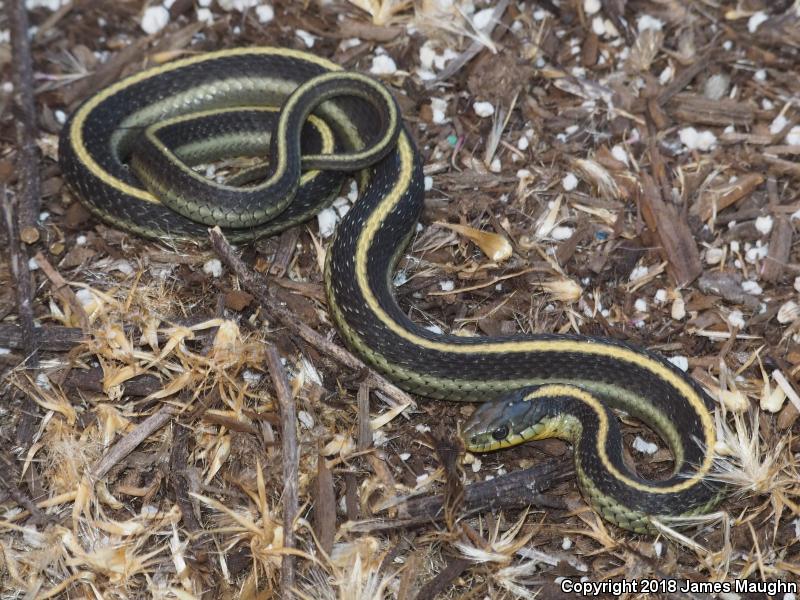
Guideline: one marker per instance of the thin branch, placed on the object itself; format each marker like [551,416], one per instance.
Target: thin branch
[28,152]
[290,463]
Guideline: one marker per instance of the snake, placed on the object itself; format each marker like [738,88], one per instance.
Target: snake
[131,151]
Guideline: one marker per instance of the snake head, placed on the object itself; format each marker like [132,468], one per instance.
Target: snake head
[500,423]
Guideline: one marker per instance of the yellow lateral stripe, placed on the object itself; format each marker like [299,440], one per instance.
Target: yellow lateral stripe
[76,129]
[602,437]
[363,246]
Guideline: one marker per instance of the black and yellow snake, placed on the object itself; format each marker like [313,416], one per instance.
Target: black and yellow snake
[127,153]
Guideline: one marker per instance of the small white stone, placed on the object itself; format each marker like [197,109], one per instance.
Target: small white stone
[435,329]
[439,110]
[638,272]
[793,137]
[213,267]
[591,7]
[767,104]
[326,221]
[561,233]
[33,265]
[523,143]
[570,182]
[496,166]
[682,362]
[447,285]
[735,246]
[383,64]
[404,456]
[736,319]
[598,26]
[778,123]
[697,140]
[526,174]
[265,13]
[643,446]
[797,283]
[43,382]
[647,22]
[5,351]
[483,109]
[483,18]
[428,182]
[788,312]
[476,464]
[755,20]
[308,39]
[85,297]
[620,154]
[305,419]
[80,240]
[760,75]
[154,19]
[753,255]
[678,311]
[661,296]
[714,255]
[752,287]
[658,547]
[666,75]
[251,377]
[640,305]
[566,543]
[204,15]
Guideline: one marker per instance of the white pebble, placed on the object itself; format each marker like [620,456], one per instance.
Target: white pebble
[661,296]
[523,143]
[753,255]
[657,548]
[85,297]
[756,20]
[764,224]
[306,419]
[61,116]
[483,109]
[714,255]
[213,267]
[439,109]
[647,22]
[43,216]
[526,174]
[435,329]
[383,64]
[760,75]
[788,312]
[778,123]
[793,137]
[643,446]
[678,311]
[752,288]
[447,285]
[682,362]
[566,543]
[495,166]
[638,272]
[570,182]
[591,7]
[561,233]
[598,26]
[697,140]
[620,154]
[204,15]
[476,464]
[33,265]
[154,19]
[5,351]
[404,456]
[735,246]
[308,39]
[736,319]
[640,305]
[265,13]
[326,221]
[428,182]
[43,382]
[483,18]
[797,283]
[80,240]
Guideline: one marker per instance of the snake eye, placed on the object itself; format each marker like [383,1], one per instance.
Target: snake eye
[500,433]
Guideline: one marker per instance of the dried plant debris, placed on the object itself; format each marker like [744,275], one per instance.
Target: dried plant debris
[620,169]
